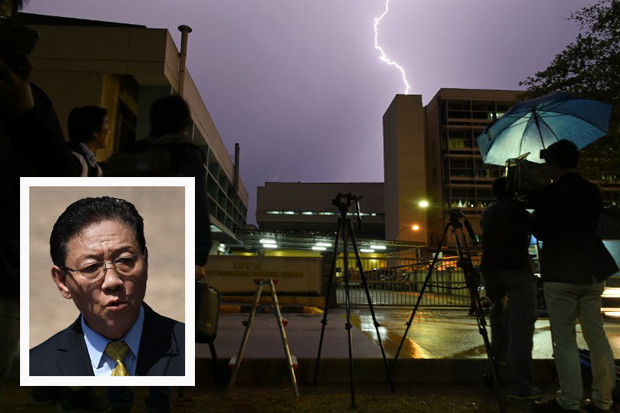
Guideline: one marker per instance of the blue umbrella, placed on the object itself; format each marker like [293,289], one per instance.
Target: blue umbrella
[532,125]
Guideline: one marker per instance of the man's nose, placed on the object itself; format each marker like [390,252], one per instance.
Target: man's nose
[111,279]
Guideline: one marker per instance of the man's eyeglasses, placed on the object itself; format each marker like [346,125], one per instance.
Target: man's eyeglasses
[124,265]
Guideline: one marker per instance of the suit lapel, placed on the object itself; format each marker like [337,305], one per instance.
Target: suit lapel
[73,359]
[157,346]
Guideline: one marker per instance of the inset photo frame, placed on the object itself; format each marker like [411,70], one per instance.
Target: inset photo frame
[167,208]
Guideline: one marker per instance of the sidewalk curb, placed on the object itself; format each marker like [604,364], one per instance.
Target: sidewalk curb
[246,308]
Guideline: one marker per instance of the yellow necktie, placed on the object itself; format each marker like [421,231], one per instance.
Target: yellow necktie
[118,350]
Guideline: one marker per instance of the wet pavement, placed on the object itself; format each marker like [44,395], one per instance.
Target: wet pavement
[441,345]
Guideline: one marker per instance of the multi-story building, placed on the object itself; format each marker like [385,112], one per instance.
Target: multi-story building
[431,155]
[125,68]
[310,207]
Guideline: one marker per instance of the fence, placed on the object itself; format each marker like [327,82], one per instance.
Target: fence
[397,281]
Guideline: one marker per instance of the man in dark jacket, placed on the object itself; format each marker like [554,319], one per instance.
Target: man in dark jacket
[31,144]
[88,131]
[100,261]
[506,230]
[574,265]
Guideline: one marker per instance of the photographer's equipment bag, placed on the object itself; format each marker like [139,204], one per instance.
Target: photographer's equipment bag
[207,312]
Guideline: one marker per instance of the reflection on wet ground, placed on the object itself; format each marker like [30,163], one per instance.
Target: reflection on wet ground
[438,333]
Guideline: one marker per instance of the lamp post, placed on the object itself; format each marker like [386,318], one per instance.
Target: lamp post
[414,227]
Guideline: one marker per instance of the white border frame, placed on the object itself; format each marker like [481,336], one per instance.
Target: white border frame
[190,349]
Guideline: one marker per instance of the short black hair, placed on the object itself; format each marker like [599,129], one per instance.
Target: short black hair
[169,115]
[18,4]
[84,121]
[88,211]
[499,188]
[563,152]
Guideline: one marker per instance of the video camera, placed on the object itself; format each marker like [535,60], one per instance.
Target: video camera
[525,179]
[344,202]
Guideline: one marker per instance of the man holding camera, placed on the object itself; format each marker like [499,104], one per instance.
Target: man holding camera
[507,272]
[574,265]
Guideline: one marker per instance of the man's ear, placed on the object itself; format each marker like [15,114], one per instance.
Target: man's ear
[146,259]
[60,279]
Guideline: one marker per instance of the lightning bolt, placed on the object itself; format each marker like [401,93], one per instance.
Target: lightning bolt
[383,56]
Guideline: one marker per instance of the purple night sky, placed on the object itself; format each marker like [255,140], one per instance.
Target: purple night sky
[299,83]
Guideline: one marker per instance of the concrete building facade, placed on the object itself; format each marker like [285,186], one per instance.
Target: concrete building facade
[308,207]
[125,68]
[438,159]
[404,169]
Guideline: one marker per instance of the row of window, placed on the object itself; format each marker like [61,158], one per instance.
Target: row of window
[325,213]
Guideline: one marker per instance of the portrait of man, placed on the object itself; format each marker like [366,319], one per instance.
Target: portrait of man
[100,260]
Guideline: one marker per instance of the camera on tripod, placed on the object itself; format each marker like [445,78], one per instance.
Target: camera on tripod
[455,220]
[344,202]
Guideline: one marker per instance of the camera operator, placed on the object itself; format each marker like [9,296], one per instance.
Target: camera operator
[507,271]
[574,264]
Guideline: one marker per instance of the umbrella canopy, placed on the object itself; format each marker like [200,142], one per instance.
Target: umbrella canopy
[532,125]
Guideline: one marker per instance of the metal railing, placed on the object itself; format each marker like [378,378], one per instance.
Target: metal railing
[399,282]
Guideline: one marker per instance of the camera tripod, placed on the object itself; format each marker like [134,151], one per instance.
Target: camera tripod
[471,279]
[343,202]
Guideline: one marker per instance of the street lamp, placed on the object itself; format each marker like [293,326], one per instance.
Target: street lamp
[414,227]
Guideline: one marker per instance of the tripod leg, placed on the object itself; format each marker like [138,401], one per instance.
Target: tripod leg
[431,268]
[347,294]
[370,306]
[472,284]
[330,285]
[244,340]
[287,351]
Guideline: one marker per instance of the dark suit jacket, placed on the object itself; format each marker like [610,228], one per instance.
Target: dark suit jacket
[162,350]
[566,219]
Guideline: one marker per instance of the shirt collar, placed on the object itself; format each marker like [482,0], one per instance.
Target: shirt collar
[96,343]
[90,157]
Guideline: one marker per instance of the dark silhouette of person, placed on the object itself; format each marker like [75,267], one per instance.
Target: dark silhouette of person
[31,144]
[574,266]
[88,131]
[169,151]
[507,271]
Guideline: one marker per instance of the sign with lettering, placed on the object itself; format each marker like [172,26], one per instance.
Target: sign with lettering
[229,273]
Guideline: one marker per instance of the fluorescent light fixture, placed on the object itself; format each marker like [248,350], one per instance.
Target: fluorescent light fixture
[307,213]
[610,298]
[366,250]
[378,247]
[270,246]
[267,241]
[317,248]
[323,244]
